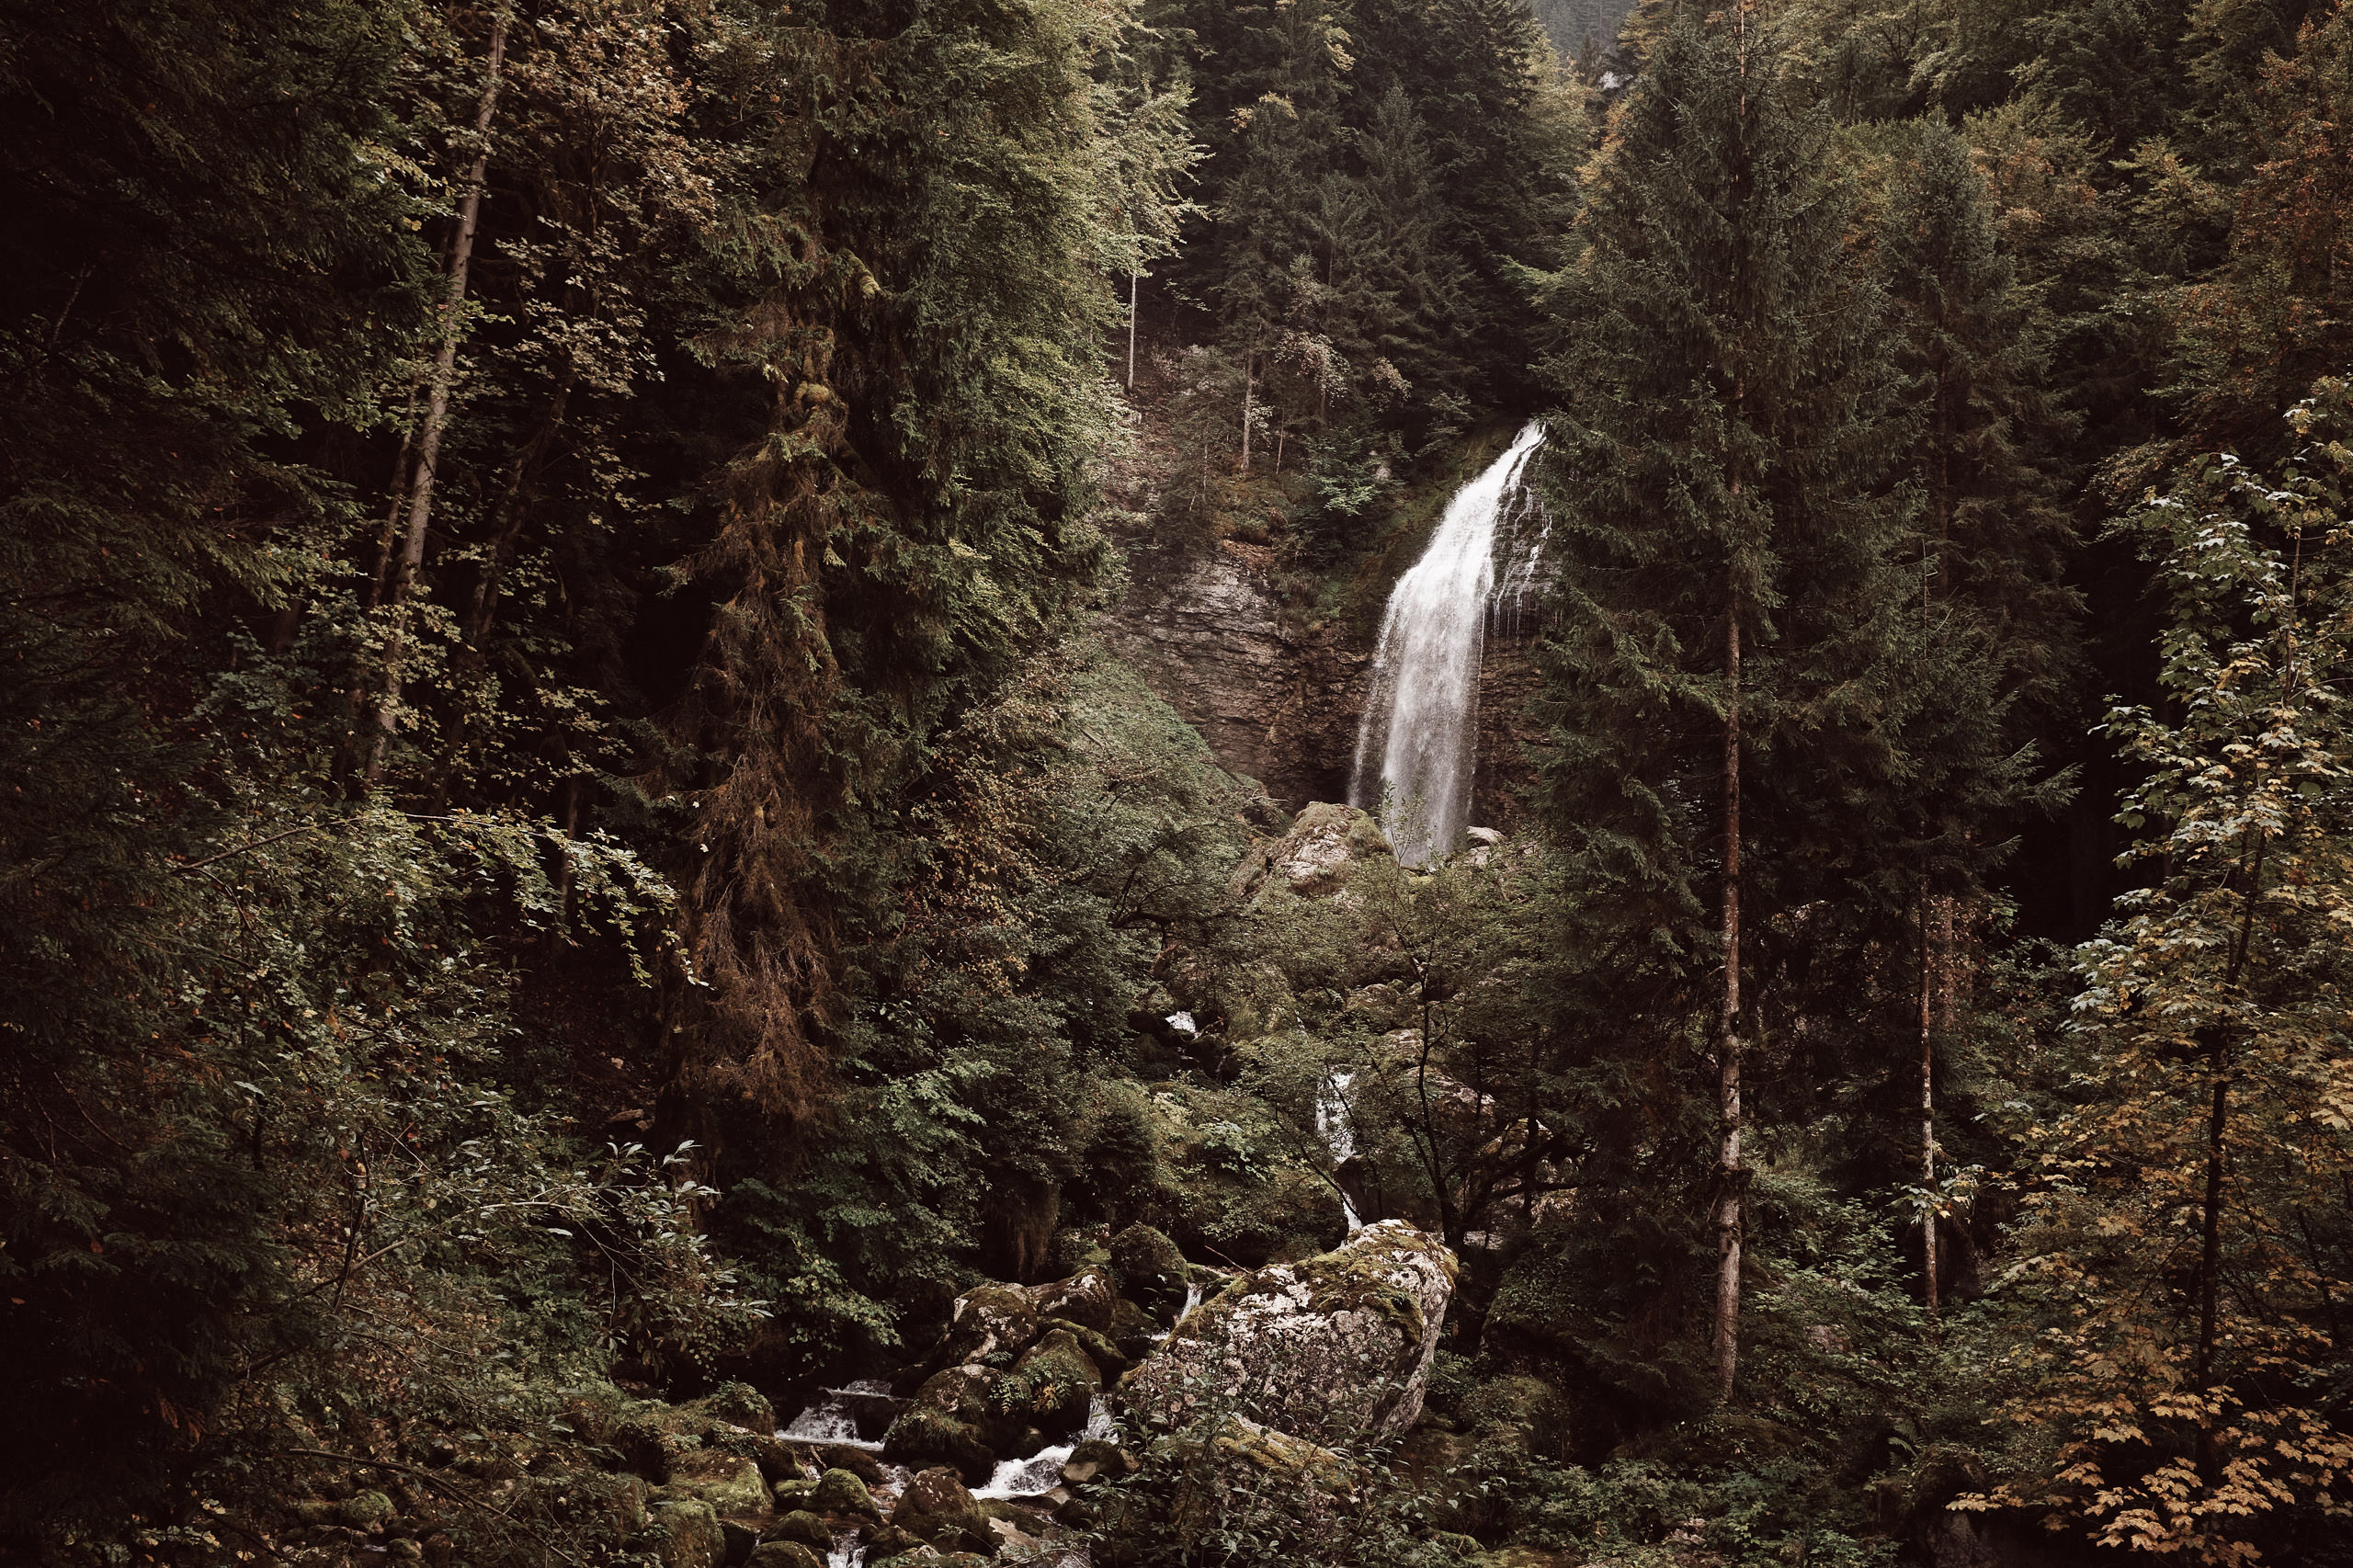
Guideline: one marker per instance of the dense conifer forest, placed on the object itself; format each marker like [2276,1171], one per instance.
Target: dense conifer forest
[605,961]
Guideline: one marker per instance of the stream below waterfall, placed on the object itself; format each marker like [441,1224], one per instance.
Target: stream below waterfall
[1417,742]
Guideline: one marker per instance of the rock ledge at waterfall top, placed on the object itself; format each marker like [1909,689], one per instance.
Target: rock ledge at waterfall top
[1333,1350]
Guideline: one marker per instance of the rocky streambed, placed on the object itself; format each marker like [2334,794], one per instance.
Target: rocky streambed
[994,1444]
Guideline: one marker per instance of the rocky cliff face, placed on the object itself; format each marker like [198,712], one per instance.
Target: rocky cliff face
[1280,702]
[1273,699]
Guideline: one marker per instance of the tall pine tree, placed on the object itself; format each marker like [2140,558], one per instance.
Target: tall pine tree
[1723,450]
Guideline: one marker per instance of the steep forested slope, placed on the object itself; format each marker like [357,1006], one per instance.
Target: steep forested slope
[574,867]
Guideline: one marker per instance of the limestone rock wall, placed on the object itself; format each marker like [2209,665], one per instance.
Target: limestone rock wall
[1273,700]
[1282,703]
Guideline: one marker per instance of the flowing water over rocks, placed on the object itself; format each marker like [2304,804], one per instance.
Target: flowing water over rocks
[1418,740]
[1340,1135]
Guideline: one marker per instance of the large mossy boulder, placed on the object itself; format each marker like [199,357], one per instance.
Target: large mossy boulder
[1315,857]
[1300,1487]
[1057,1383]
[801,1524]
[949,1423]
[1151,1272]
[686,1534]
[786,1554]
[1333,1350]
[730,1484]
[1088,1298]
[986,1321]
[841,1491]
[937,1507]
[738,1404]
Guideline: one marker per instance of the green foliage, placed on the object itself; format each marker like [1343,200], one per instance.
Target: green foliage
[2175,1368]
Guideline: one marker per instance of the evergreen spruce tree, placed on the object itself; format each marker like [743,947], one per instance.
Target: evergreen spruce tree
[1995,639]
[1722,458]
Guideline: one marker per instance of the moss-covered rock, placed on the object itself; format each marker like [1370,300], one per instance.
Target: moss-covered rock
[1058,1382]
[686,1535]
[1208,1465]
[1151,1272]
[784,1554]
[1520,1414]
[858,1462]
[949,1422]
[738,1404]
[1335,1348]
[890,1541]
[938,1506]
[1109,1358]
[990,1322]
[729,1482]
[843,1492]
[370,1511]
[804,1526]
[1085,1298]
[616,1501]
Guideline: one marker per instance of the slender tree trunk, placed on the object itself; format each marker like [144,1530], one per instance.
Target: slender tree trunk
[437,406]
[1250,386]
[1729,1173]
[2209,1258]
[1133,276]
[1927,1106]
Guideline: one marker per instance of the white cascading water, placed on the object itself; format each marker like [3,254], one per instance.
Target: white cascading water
[1339,1134]
[1042,1471]
[834,1418]
[1418,740]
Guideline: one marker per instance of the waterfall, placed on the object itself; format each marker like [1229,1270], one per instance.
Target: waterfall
[1340,1135]
[1420,722]
[834,1417]
[1042,1471]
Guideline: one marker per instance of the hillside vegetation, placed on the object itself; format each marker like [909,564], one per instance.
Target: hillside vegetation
[574,871]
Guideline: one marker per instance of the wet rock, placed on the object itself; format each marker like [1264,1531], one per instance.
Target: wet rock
[986,1320]
[948,1424]
[890,1541]
[784,1554]
[1059,1382]
[804,1526]
[738,1404]
[739,1540]
[1085,1298]
[1335,1348]
[858,1462]
[938,1506]
[842,1492]
[686,1535]
[1151,1272]
[729,1482]
[1094,1457]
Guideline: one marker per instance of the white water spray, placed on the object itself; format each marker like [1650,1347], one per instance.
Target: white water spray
[1419,736]
[1339,1134]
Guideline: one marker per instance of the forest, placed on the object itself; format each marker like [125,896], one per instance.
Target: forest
[649,917]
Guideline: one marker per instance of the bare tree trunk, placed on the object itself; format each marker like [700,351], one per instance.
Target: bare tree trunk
[1927,1106]
[1132,275]
[437,407]
[2210,1259]
[1729,1171]
[1250,386]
